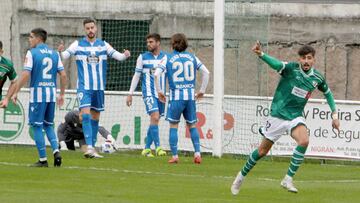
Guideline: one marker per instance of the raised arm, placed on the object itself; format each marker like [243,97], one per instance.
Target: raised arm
[273,62]
[115,54]
[69,51]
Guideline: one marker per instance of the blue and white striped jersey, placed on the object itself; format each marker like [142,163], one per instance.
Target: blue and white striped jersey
[44,64]
[181,70]
[91,61]
[146,64]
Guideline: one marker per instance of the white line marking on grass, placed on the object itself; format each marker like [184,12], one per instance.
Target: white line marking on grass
[181,174]
[313,181]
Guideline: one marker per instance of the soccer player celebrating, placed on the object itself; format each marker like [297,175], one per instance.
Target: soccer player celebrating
[298,80]
[181,67]
[91,59]
[41,66]
[145,66]
[6,71]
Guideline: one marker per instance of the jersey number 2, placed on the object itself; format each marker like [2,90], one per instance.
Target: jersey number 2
[187,68]
[47,62]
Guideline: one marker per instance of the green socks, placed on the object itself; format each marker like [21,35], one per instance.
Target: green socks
[296,160]
[253,158]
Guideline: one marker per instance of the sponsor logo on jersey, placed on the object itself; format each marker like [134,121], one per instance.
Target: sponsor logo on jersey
[300,92]
[46,84]
[315,84]
[92,58]
[184,86]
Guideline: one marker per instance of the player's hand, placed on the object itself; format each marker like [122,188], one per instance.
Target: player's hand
[162,97]
[4,103]
[14,98]
[129,100]
[60,100]
[257,48]
[199,95]
[336,124]
[127,53]
[61,47]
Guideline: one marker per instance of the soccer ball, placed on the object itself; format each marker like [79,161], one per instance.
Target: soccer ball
[107,148]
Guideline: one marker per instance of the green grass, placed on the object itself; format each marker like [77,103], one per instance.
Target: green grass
[128,177]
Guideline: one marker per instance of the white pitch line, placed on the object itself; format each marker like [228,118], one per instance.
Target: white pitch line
[313,181]
[181,174]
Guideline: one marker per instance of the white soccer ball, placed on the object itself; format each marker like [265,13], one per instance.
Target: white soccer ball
[107,148]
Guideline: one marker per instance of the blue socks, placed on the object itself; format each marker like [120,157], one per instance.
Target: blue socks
[152,136]
[154,131]
[195,138]
[94,131]
[173,140]
[149,139]
[50,133]
[87,129]
[40,142]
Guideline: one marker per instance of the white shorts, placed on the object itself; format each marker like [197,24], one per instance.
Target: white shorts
[275,127]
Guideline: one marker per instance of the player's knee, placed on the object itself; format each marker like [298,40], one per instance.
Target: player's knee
[191,125]
[155,119]
[263,151]
[304,142]
[36,126]
[85,118]
[47,125]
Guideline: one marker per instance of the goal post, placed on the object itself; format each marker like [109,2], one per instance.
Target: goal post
[219,16]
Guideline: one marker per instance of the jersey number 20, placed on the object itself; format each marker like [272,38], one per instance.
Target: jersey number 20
[47,62]
[187,68]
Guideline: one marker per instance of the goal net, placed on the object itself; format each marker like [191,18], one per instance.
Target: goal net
[124,24]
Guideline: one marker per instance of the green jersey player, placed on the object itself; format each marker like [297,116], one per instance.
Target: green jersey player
[6,71]
[298,80]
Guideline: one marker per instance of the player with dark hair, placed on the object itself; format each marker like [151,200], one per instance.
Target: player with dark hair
[91,59]
[6,71]
[298,80]
[145,66]
[42,64]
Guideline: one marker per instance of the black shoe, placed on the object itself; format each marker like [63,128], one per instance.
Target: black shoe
[40,164]
[57,159]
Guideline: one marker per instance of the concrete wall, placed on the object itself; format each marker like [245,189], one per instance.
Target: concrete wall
[5,24]
[331,28]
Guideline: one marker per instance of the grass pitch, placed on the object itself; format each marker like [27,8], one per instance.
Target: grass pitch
[129,177]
